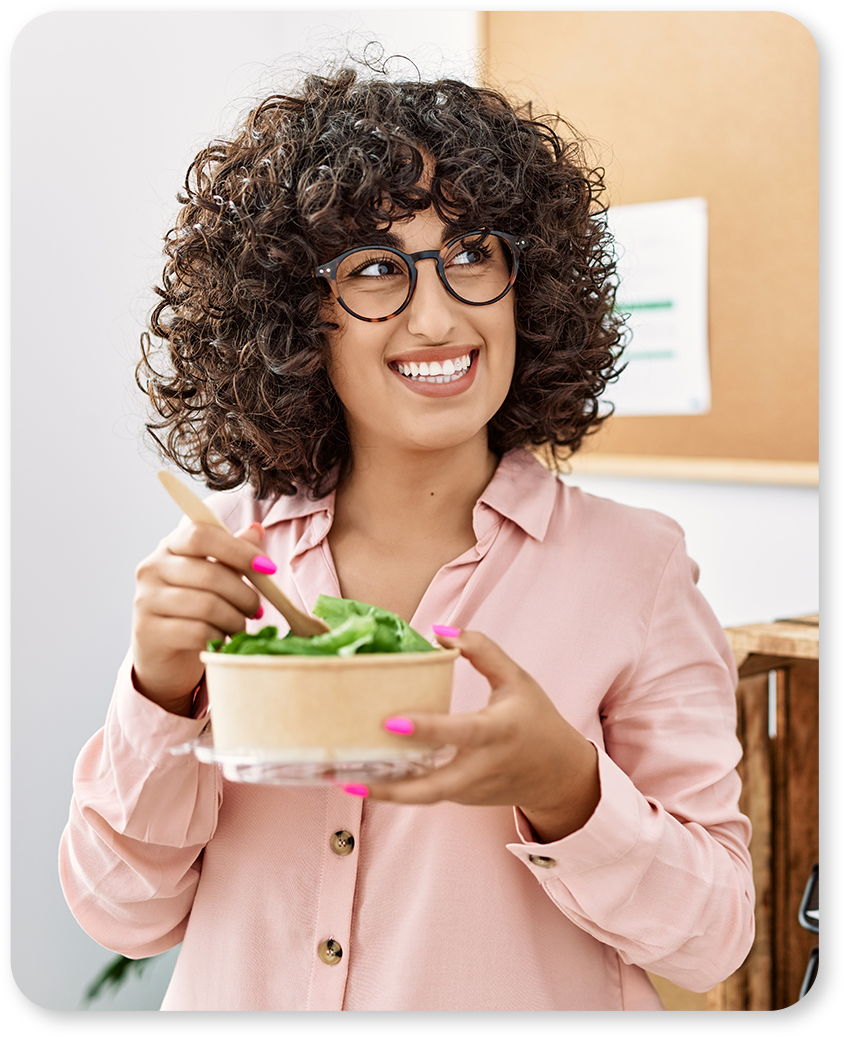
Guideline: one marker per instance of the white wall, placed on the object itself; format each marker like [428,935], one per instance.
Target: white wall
[107,109]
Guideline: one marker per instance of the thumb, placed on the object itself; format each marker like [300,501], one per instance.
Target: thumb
[485,656]
[253,534]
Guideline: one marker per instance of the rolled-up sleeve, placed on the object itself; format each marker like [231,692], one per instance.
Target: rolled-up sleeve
[661,871]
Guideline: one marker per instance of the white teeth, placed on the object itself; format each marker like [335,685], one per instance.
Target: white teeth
[447,371]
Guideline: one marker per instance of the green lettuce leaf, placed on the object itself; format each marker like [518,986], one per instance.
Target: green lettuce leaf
[354,628]
[394,634]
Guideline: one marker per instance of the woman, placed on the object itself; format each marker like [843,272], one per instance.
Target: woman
[376,296]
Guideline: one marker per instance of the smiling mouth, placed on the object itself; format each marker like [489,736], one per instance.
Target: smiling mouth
[437,372]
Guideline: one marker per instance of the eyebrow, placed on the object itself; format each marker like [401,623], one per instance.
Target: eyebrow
[450,232]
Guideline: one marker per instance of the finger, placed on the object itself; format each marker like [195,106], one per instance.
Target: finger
[252,534]
[433,787]
[422,791]
[464,730]
[462,780]
[204,576]
[204,606]
[184,635]
[202,540]
[485,656]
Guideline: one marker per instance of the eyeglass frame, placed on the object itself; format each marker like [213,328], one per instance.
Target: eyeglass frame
[328,271]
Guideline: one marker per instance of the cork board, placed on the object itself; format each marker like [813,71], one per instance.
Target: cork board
[717,104]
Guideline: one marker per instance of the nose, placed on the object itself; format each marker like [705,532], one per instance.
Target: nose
[431,311]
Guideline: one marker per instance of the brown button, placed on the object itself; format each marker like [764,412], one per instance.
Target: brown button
[343,843]
[330,952]
[542,862]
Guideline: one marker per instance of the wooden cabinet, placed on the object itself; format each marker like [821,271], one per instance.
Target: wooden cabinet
[779,730]
[778,725]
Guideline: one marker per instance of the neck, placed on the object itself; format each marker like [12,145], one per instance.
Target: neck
[399,496]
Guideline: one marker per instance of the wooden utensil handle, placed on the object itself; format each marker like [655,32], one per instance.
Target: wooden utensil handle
[300,622]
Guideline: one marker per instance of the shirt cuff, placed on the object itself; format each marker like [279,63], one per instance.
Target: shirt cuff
[611,832]
[151,730]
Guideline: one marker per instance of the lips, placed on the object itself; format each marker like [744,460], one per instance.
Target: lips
[435,370]
[446,376]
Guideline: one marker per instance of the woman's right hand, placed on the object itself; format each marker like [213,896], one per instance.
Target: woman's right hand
[189,590]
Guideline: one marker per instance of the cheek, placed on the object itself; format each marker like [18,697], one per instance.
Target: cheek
[503,334]
[348,371]
[336,370]
[334,341]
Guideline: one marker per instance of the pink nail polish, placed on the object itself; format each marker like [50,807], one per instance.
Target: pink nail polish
[443,631]
[262,564]
[259,613]
[356,790]
[399,725]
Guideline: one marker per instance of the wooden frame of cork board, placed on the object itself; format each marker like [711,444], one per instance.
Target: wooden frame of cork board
[715,104]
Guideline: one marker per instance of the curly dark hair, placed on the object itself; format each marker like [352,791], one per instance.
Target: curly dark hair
[243,395]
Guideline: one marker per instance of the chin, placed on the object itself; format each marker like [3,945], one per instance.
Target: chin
[445,437]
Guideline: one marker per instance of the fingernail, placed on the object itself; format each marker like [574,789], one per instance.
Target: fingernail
[252,525]
[259,613]
[262,564]
[399,725]
[356,790]
[442,631]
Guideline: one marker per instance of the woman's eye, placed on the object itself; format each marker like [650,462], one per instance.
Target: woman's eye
[377,268]
[468,257]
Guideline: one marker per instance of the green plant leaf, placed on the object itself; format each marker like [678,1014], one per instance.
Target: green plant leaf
[114,975]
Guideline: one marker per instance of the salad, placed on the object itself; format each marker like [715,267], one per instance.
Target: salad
[355,628]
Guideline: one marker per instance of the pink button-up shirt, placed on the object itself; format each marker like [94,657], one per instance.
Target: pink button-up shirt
[449,907]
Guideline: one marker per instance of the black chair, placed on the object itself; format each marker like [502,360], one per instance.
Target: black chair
[808,916]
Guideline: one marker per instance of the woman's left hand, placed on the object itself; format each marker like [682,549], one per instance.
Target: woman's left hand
[517,751]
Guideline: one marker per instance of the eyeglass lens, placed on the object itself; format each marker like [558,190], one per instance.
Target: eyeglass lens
[375,282]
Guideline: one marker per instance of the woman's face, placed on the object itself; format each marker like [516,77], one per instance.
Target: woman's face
[389,403]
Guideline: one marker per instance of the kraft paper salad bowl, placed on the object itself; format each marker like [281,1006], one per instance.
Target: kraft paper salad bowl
[320,707]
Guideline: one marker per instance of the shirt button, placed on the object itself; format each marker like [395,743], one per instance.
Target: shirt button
[542,862]
[342,843]
[330,952]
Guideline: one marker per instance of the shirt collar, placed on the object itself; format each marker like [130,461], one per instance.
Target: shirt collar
[522,490]
[301,506]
